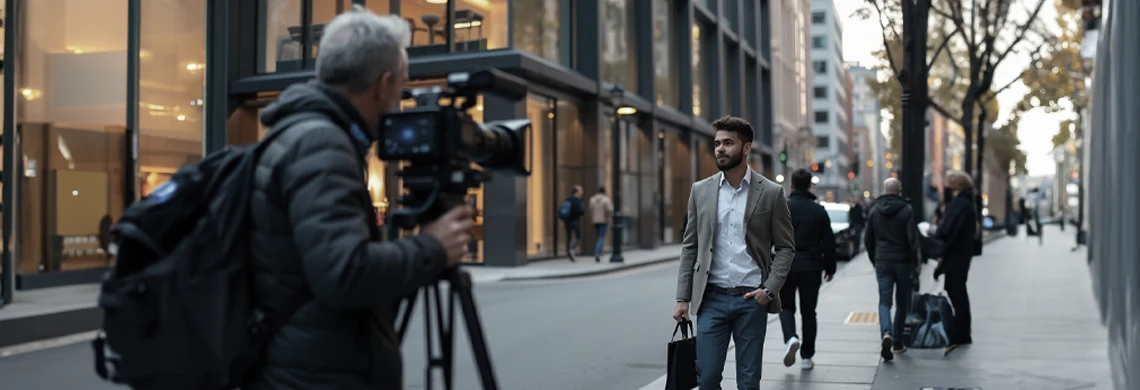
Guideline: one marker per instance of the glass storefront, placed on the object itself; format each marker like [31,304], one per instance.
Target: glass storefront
[541,203]
[676,178]
[706,157]
[570,160]
[548,35]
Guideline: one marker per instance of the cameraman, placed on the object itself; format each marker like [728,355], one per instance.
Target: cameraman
[314,227]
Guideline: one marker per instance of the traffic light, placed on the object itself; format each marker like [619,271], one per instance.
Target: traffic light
[850,175]
[783,156]
[815,167]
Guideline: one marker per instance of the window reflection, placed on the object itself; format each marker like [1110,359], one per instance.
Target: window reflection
[700,77]
[541,205]
[282,48]
[706,159]
[478,25]
[71,150]
[664,54]
[619,44]
[542,27]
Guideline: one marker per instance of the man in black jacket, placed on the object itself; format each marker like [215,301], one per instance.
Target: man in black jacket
[892,240]
[570,211]
[314,227]
[814,263]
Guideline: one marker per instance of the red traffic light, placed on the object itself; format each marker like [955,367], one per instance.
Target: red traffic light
[815,167]
[850,175]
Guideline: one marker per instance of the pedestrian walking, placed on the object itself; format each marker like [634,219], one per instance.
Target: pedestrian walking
[814,263]
[570,211]
[601,211]
[858,219]
[728,276]
[957,232]
[892,239]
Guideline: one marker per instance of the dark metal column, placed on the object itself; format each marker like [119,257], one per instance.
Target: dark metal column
[619,218]
[913,79]
[216,110]
[131,137]
[11,38]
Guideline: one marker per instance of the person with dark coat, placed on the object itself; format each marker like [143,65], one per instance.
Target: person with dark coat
[313,224]
[957,232]
[814,262]
[572,220]
[892,240]
[858,218]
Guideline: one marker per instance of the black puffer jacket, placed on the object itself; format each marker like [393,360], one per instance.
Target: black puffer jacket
[815,242]
[892,232]
[314,228]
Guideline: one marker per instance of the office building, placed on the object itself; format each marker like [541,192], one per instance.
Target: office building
[112,97]
[869,142]
[829,89]
[791,102]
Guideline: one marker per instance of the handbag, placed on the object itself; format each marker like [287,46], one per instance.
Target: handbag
[682,364]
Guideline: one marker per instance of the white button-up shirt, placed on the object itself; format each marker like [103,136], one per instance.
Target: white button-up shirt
[732,266]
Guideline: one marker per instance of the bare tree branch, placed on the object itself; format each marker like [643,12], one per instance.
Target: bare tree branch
[942,110]
[993,95]
[945,41]
[1021,32]
[886,43]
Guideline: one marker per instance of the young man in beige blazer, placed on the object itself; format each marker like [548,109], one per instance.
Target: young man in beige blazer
[601,210]
[728,276]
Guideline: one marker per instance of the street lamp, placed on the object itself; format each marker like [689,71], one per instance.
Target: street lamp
[617,95]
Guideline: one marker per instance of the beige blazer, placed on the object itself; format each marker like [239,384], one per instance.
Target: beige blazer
[600,209]
[767,221]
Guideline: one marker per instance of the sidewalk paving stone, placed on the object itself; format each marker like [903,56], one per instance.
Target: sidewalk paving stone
[584,266]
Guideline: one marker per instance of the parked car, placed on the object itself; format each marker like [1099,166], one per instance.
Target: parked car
[845,238]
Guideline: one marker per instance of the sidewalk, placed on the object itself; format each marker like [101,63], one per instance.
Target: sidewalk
[564,268]
[1035,327]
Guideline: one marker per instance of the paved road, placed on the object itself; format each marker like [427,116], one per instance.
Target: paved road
[606,332]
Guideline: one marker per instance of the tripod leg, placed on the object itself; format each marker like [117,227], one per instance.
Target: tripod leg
[461,286]
[402,330]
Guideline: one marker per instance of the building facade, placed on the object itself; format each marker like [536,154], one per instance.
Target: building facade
[791,102]
[829,90]
[179,79]
[869,143]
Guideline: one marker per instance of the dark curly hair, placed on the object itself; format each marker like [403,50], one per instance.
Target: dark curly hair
[737,125]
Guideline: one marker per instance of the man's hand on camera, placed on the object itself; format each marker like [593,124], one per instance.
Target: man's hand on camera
[453,230]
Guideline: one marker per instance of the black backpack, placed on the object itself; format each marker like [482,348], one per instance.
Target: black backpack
[179,310]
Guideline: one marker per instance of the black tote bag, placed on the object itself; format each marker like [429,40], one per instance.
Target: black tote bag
[682,363]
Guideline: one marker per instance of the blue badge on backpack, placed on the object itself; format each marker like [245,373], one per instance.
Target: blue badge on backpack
[164,191]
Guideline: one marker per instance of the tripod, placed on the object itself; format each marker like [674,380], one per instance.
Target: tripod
[459,285]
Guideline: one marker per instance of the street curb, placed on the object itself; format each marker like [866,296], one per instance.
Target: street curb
[580,274]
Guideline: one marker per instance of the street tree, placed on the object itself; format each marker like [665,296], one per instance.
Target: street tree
[976,38]
[1057,73]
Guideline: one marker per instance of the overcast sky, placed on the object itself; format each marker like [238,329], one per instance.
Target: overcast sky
[862,38]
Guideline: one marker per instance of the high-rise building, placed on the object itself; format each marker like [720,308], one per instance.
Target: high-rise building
[791,82]
[869,143]
[829,90]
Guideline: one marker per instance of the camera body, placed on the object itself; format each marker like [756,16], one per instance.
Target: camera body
[442,144]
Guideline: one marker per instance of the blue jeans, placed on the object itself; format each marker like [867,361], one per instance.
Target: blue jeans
[896,277]
[601,229]
[721,316]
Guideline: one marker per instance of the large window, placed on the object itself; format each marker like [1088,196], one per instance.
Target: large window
[571,163]
[820,92]
[171,79]
[701,106]
[818,17]
[706,158]
[820,67]
[541,204]
[818,42]
[543,27]
[676,178]
[619,43]
[665,52]
[821,117]
[478,25]
[71,108]
[632,146]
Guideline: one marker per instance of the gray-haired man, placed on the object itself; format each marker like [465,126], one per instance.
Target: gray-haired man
[313,222]
[892,240]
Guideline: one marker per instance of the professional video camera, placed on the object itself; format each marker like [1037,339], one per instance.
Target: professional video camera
[440,143]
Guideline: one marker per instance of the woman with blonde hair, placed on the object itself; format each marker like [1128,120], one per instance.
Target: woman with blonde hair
[957,231]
